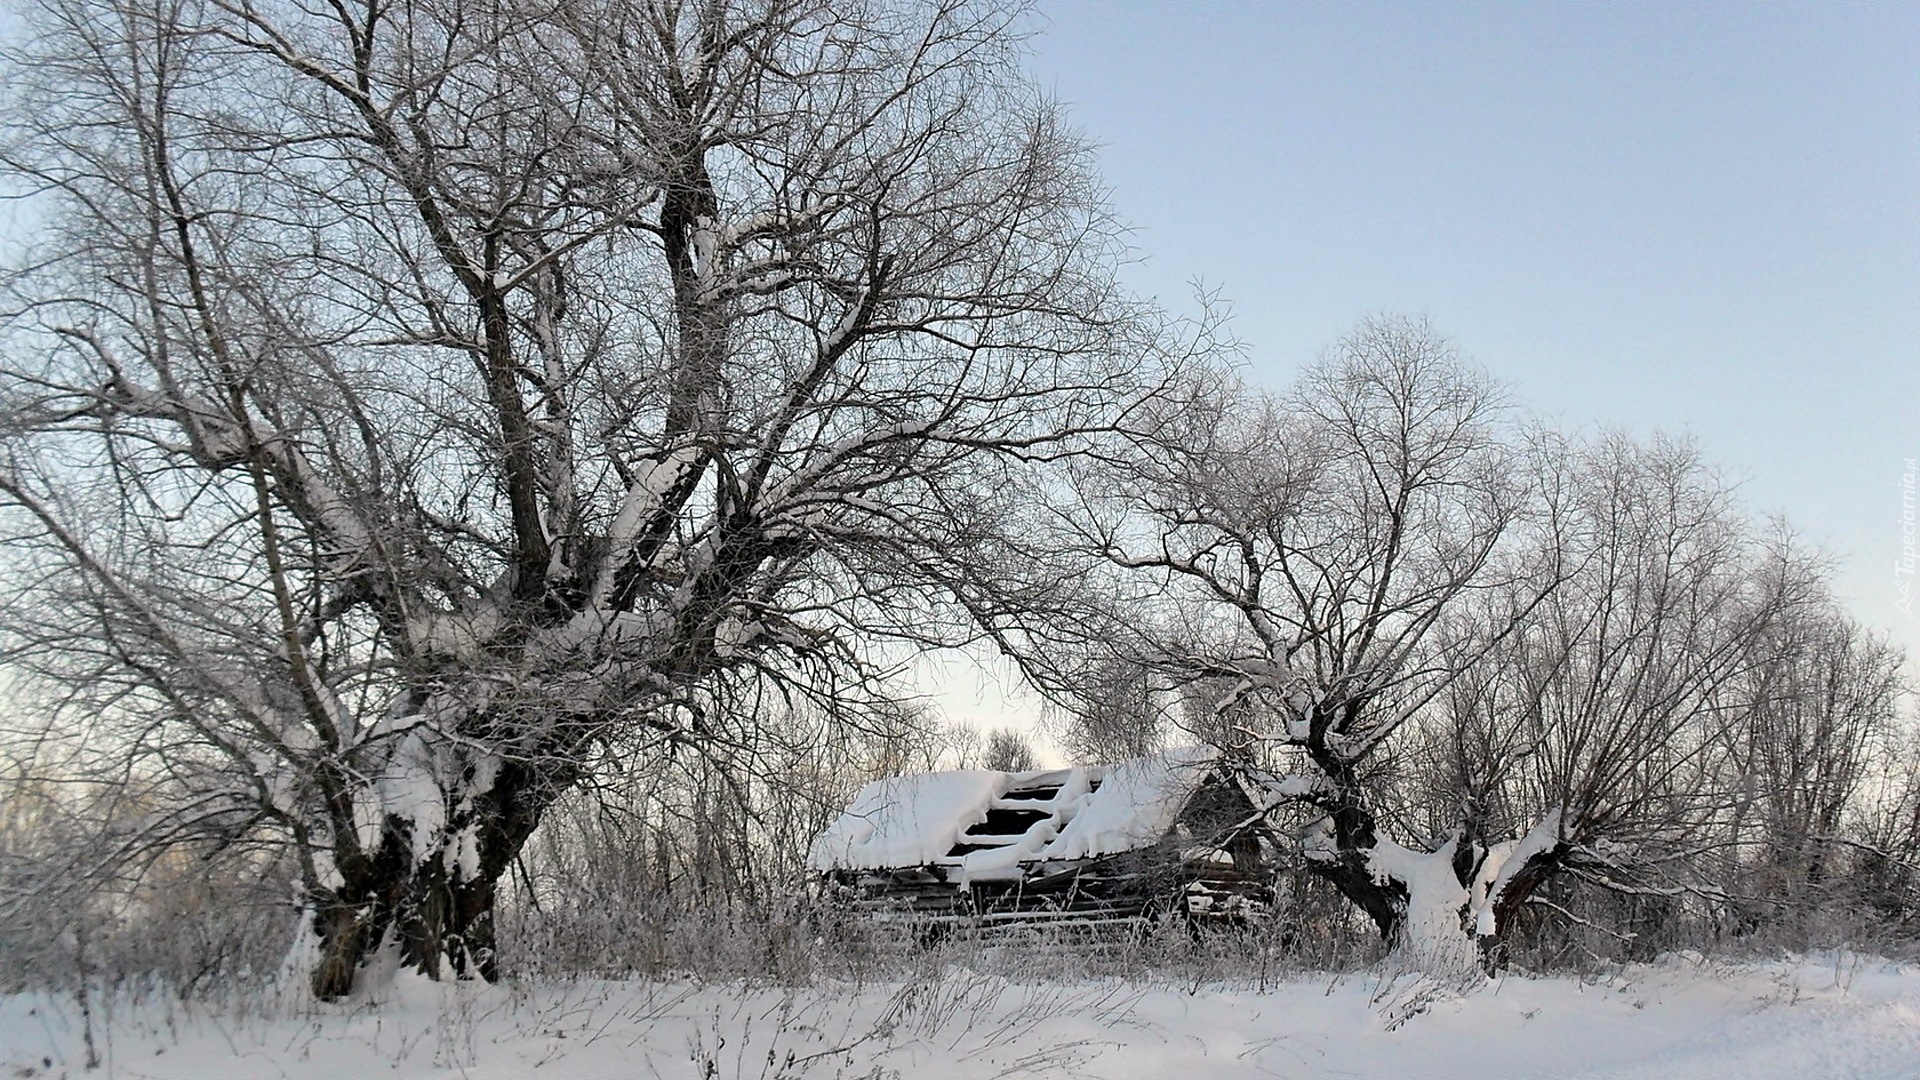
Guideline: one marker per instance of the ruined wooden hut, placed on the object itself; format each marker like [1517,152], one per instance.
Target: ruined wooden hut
[1174,834]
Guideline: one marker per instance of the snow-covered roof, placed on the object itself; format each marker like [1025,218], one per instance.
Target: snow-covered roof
[934,818]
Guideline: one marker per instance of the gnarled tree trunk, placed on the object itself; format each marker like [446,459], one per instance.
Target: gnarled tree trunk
[1446,910]
[433,902]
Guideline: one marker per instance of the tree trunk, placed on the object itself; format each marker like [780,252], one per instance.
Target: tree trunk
[438,926]
[1343,857]
[435,911]
[1447,910]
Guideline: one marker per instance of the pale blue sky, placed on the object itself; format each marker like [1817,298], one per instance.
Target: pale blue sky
[1699,217]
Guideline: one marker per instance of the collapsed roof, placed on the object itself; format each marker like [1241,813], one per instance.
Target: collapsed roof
[989,824]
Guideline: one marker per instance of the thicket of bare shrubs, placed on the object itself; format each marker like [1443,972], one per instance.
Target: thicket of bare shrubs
[614,888]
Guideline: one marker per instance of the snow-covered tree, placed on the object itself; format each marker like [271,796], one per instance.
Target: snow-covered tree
[1312,548]
[1599,724]
[1473,657]
[409,404]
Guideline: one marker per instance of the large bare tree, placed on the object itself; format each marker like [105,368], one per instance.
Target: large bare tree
[408,403]
[1598,728]
[1311,549]
[1475,657]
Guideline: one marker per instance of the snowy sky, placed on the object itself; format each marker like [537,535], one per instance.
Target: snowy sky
[1697,217]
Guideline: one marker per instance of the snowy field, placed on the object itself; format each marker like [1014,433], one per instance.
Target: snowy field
[1826,1017]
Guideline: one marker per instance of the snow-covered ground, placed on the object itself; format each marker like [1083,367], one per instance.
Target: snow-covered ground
[1824,1017]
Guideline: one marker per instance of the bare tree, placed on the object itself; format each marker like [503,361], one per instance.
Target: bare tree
[1598,727]
[1117,712]
[1009,751]
[1311,549]
[1888,869]
[411,406]
[1818,719]
[1473,659]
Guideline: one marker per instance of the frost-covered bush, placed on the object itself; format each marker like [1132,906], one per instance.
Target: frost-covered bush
[76,907]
